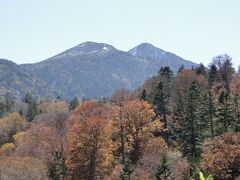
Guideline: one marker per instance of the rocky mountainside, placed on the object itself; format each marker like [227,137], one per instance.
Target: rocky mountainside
[92,70]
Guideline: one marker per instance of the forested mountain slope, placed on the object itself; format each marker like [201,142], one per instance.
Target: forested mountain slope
[17,82]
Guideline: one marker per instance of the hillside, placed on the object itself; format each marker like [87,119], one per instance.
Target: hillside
[17,82]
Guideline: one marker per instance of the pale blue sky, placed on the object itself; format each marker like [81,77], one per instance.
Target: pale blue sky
[33,30]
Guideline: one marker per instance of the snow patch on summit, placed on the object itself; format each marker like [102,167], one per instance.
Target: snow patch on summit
[105,48]
[82,45]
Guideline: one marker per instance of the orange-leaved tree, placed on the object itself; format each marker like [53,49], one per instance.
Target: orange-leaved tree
[89,151]
[131,128]
[221,156]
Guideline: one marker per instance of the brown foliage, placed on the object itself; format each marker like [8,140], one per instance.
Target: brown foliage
[181,169]
[122,96]
[53,107]
[38,141]
[131,127]
[149,86]
[44,136]
[89,151]
[58,121]
[115,174]
[221,156]
[154,148]
[178,165]
[235,85]
[22,168]
[184,79]
[153,153]
[88,109]
[151,157]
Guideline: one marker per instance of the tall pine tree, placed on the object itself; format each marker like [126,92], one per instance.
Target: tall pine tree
[58,169]
[9,103]
[162,97]
[160,103]
[143,95]
[32,107]
[213,75]
[127,168]
[2,108]
[192,136]
[211,113]
[163,171]
[224,112]
[73,103]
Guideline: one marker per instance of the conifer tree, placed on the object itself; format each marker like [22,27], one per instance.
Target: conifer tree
[201,70]
[211,111]
[226,72]
[28,98]
[161,109]
[180,69]
[58,168]
[6,105]
[162,97]
[159,101]
[213,75]
[143,95]
[166,73]
[9,103]
[32,110]
[21,113]
[204,115]
[224,112]
[2,109]
[237,112]
[163,171]
[225,69]
[32,107]
[127,169]
[73,103]
[192,136]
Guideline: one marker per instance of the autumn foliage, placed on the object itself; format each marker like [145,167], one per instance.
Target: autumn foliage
[131,124]
[170,128]
[89,152]
[10,125]
[221,156]
[22,168]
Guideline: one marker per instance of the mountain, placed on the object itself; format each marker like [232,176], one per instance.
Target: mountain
[160,58]
[17,82]
[90,70]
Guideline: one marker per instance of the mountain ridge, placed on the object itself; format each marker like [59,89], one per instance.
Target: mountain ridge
[98,69]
